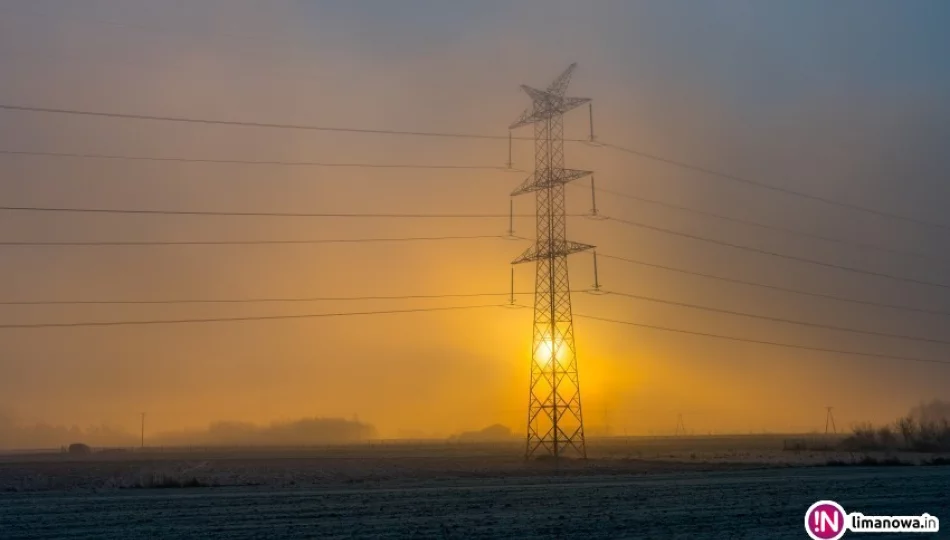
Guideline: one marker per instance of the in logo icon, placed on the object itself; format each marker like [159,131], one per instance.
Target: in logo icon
[825,520]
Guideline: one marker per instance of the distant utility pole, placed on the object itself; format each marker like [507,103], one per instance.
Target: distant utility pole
[143,430]
[555,422]
[680,428]
[830,419]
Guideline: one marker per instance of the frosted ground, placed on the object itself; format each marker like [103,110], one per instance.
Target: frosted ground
[699,488]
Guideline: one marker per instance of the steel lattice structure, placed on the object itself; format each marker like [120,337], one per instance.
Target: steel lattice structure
[555,419]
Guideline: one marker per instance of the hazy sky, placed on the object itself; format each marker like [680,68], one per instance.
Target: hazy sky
[846,100]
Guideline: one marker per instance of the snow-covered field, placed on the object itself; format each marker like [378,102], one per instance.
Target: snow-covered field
[439,491]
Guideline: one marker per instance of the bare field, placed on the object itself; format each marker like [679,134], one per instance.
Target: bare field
[706,487]
[383,463]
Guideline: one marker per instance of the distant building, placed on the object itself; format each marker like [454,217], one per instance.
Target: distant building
[496,432]
[79,449]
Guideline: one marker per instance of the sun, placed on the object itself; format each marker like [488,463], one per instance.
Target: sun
[546,346]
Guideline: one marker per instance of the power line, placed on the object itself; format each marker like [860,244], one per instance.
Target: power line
[763,342]
[440,216]
[436,309]
[243,242]
[256,162]
[272,125]
[780,255]
[247,214]
[424,166]
[778,288]
[442,296]
[767,226]
[236,123]
[254,300]
[143,211]
[458,135]
[238,319]
[778,319]
[383,215]
[779,189]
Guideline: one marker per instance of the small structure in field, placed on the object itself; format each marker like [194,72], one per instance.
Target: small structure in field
[79,449]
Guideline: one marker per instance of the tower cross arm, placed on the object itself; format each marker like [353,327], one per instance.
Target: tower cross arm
[546,105]
[572,103]
[548,178]
[559,85]
[527,117]
[559,249]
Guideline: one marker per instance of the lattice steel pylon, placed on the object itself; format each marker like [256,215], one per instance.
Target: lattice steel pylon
[830,418]
[555,419]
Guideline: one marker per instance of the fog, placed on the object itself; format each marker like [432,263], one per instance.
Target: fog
[304,431]
[846,101]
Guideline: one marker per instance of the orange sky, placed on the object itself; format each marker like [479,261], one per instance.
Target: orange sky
[440,373]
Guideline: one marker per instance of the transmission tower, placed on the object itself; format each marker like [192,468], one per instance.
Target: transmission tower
[830,419]
[680,427]
[555,421]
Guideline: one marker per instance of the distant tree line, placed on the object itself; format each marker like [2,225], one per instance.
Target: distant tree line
[303,432]
[925,429]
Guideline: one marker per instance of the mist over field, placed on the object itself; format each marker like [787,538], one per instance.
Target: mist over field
[306,431]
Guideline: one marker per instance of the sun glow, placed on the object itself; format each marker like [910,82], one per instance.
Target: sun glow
[544,349]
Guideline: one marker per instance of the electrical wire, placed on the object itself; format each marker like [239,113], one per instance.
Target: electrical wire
[431,166]
[437,309]
[780,255]
[255,162]
[239,319]
[142,211]
[763,342]
[778,288]
[242,242]
[767,226]
[254,300]
[763,185]
[271,125]
[777,319]
[457,135]
[387,215]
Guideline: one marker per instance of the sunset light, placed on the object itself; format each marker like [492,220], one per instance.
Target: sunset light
[471,269]
[545,349]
